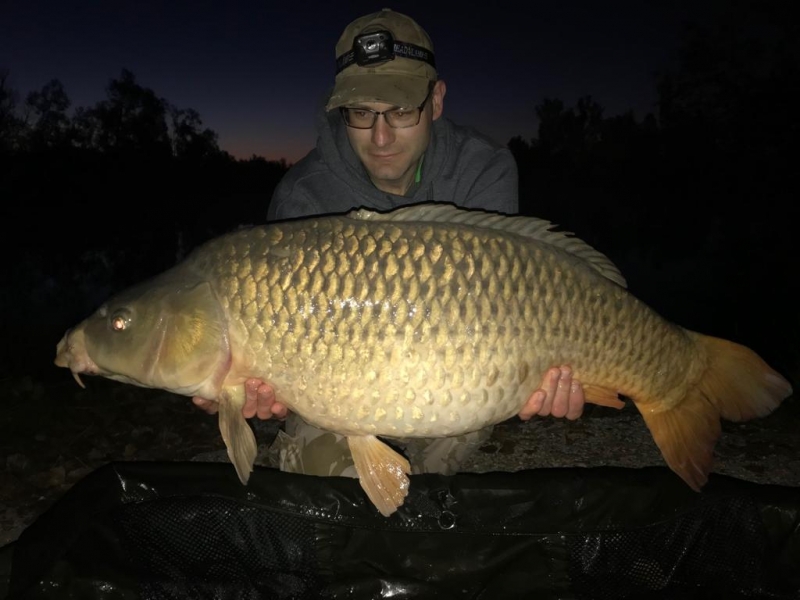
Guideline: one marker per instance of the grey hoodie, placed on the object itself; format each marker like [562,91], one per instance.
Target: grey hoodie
[460,166]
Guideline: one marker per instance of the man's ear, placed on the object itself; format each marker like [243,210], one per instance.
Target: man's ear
[437,98]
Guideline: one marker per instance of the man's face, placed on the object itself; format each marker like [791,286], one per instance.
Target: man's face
[389,155]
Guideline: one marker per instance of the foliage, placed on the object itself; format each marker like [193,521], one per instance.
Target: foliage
[696,203]
[104,197]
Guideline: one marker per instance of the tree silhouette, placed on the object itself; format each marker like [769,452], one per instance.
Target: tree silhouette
[735,77]
[188,140]
[698,203]
[729,126]
[115,194]
[10,124]
[571,131]
[49,125]
[133,120]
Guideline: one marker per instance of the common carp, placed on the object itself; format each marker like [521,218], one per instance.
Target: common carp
[427,321]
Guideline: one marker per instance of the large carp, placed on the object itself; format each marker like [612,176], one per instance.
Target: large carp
[426,321]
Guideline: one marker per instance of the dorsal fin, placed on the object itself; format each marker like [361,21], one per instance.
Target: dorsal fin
[529,227]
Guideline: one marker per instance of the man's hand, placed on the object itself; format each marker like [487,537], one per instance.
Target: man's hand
[259,401]
[559,396]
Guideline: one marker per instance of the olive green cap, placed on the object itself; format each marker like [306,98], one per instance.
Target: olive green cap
[401,81]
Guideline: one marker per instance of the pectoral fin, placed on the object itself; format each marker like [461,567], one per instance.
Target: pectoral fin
[236,433]
[602,396]
[382,472]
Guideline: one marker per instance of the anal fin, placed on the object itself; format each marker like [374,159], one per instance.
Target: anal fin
[236,433]
[382,472]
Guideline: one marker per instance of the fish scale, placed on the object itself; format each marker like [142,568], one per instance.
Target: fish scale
[402,300]
[428,321]
[333,323]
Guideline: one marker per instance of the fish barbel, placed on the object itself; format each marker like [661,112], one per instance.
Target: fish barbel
[427,321]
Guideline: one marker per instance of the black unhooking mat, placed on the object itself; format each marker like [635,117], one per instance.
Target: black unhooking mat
[191,530]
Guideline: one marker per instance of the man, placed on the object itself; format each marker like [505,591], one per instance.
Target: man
[383,143]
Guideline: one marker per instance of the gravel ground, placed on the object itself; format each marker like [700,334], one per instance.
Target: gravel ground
[762,451]
[51,435]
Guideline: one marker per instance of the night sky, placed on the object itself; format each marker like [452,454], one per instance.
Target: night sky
[255,70]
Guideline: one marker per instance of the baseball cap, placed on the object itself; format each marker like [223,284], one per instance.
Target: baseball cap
[375,67]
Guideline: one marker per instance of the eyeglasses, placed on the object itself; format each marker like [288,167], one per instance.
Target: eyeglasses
[396,118]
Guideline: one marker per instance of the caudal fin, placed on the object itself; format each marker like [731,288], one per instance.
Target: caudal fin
[737,386]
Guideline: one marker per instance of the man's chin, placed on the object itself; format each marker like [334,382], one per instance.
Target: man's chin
[388,174]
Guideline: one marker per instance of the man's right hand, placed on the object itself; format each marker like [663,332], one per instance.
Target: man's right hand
[259,402]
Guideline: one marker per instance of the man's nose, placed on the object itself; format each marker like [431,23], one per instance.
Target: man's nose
[382,134]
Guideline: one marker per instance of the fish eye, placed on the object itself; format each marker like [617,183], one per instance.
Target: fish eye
[120,320]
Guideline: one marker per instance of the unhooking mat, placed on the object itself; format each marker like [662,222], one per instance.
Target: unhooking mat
[191,530]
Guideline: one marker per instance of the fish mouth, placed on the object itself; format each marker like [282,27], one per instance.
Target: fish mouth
[71,353]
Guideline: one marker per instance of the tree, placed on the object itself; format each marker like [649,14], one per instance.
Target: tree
[569,130]
[727,111]
[10,125]
[735,79]
[132,120]
[49,125]
[188,141]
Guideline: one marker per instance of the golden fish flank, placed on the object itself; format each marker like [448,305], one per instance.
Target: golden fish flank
[357,333]
[427,321]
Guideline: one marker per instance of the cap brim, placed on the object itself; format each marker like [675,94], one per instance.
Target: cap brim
[399,90]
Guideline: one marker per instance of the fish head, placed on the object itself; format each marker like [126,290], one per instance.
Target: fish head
[168,334]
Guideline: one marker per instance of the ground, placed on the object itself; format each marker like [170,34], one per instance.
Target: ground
[52,434]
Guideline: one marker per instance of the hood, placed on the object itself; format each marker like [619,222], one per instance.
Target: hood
[335,151]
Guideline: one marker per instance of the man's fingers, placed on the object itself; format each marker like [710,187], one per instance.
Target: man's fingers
[251,388]
[250,397]
[279,411]
[260,401]
[576,401]
[541,401]
[208,406]
[559,396]
[560,404]
[533,405]
[550,388]
[266,398]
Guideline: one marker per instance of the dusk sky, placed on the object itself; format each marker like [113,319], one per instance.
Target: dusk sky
[256,70]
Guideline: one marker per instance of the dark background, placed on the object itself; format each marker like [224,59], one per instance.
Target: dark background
[256,70]
[692,191]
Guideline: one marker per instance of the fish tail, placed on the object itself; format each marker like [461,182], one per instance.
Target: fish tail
[737,385]
[236,433]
